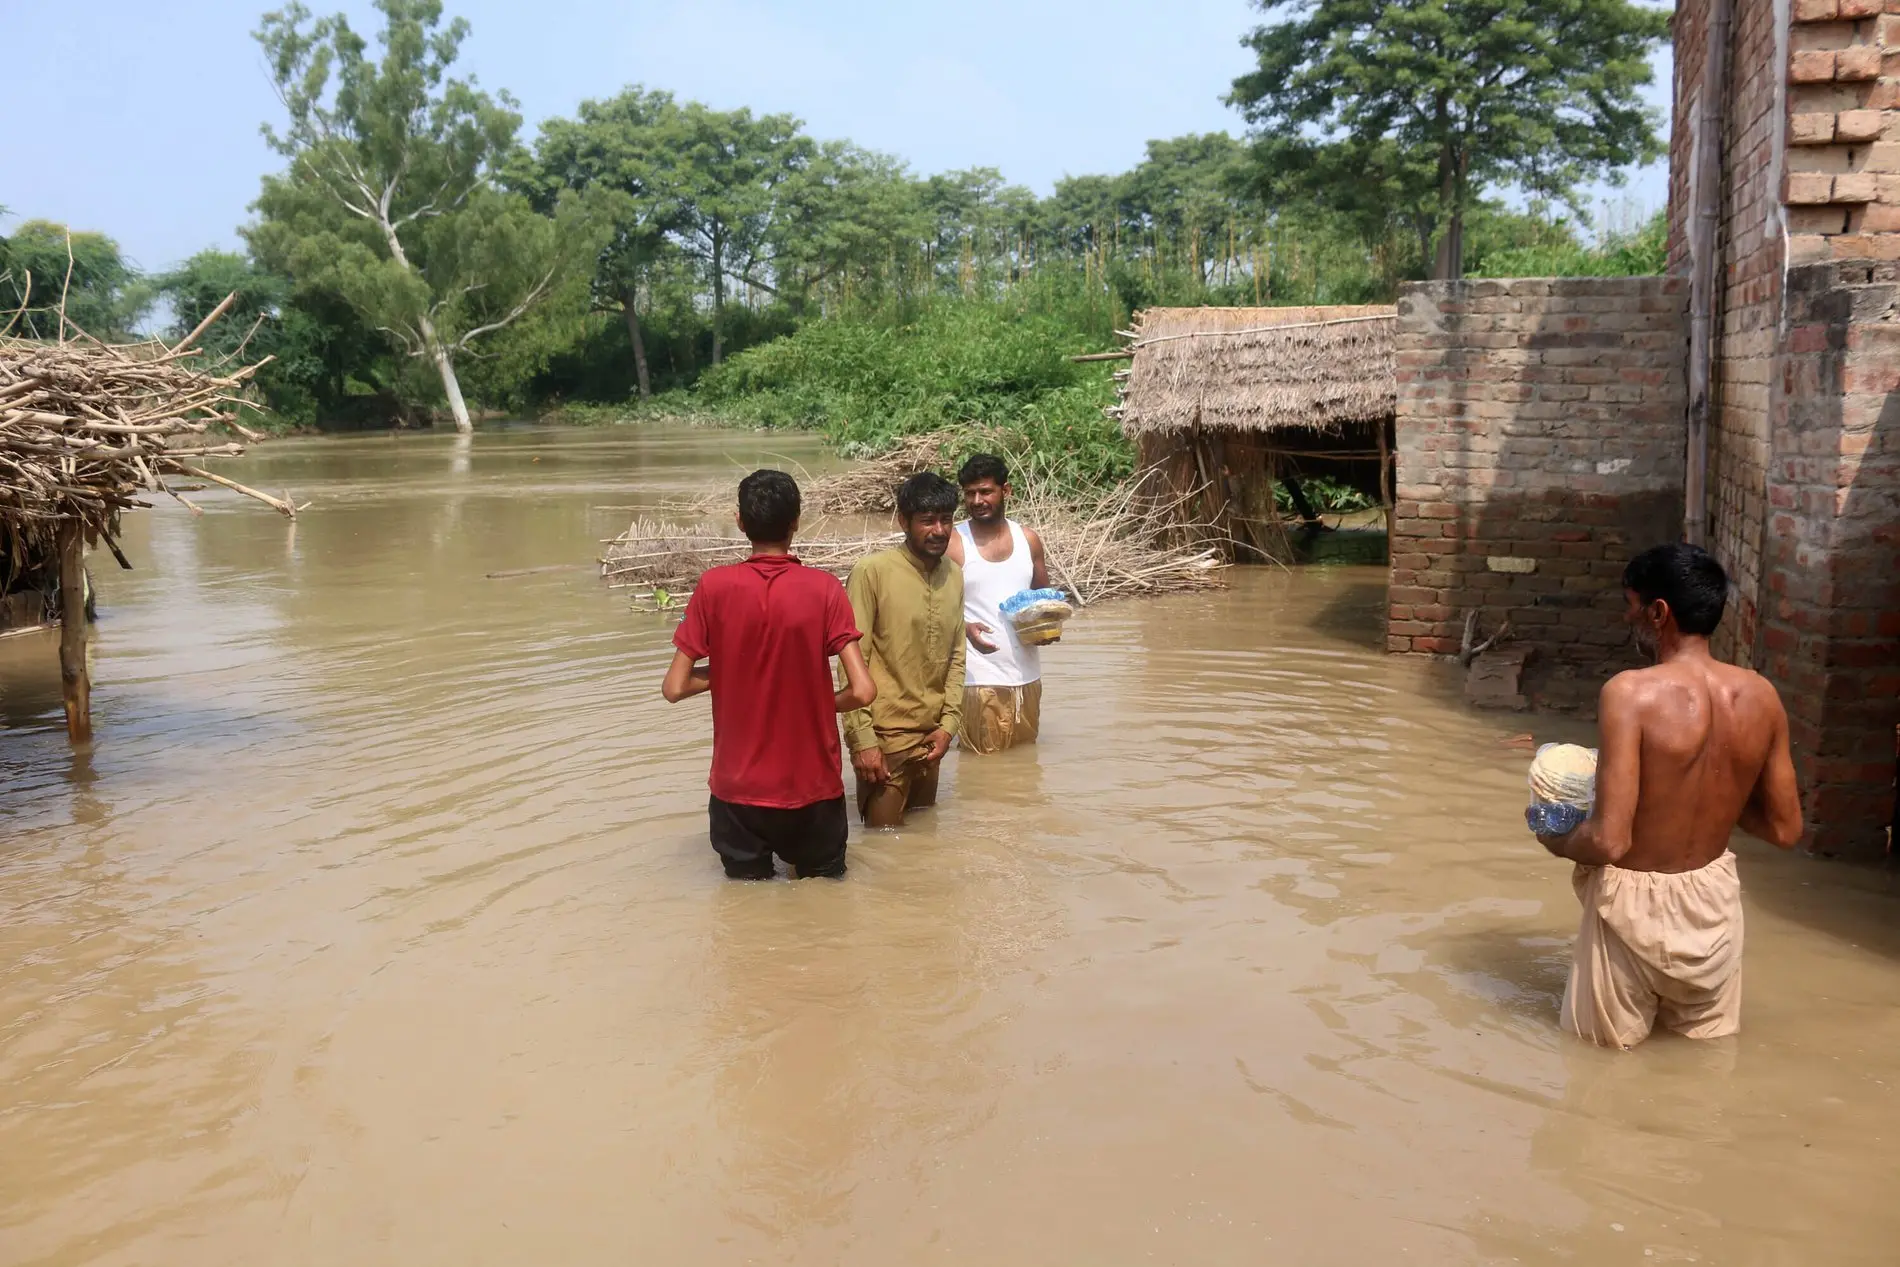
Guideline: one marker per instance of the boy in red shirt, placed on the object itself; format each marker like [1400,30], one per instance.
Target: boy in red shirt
[768,629]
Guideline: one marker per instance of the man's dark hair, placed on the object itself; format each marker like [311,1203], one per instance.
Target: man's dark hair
[768,505]
[926,493]
[983,466]
[1687,578]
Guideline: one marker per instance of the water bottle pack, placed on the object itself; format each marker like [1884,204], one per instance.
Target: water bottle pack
[1563,783]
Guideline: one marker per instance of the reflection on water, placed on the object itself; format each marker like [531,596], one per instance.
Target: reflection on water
[380,927]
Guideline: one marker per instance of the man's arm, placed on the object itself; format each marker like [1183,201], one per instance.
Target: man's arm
[1773,812]
[692,642]
[1040,579]
[951,721]
[1603,838]
[859,690]
[860,732]
[685,679]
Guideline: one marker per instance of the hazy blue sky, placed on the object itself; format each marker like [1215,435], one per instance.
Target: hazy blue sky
[153,138]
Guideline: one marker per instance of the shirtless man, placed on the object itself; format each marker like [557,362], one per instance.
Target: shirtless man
[1691,749]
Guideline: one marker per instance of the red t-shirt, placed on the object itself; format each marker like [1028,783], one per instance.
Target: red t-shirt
[769,627]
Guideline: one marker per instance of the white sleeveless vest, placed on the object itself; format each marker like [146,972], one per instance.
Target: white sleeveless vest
[985,586]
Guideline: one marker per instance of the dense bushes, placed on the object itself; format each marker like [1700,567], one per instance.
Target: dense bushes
[1640,252]
[1000,365]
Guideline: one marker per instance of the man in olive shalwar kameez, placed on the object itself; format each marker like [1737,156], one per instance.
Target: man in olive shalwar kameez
[908,602]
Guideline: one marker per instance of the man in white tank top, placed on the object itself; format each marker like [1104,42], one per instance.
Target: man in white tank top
[1002,683]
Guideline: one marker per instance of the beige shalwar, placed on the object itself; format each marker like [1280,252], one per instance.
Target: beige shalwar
[999,717]
[1656,946]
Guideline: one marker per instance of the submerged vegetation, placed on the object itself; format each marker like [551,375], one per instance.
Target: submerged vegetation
[651,256]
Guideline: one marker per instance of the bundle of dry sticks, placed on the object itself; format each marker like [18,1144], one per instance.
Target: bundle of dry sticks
[87,427]
[1100,545]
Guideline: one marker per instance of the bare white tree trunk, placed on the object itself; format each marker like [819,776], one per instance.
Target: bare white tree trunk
[432,345]
[451,386]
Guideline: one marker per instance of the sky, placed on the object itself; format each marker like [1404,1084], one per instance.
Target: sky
[155,137]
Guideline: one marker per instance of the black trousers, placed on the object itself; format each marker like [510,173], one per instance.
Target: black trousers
[810,838]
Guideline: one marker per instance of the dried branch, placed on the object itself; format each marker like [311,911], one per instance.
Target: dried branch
[211,318]
[87,427]
[1469,648]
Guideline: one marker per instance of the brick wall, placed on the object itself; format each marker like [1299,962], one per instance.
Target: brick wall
[1749,300]
[1831,627]
[1804,485]
[1843,172]
[1539,430]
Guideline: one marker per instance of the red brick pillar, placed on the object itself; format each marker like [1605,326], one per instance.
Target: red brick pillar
[1830,635]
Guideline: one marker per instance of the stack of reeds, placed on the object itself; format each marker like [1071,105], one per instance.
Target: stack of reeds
[662,562]
[866,487]
[1100,545]
[86,428]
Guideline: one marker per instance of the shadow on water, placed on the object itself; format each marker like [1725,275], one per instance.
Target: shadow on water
[1856,904]
[1355,613]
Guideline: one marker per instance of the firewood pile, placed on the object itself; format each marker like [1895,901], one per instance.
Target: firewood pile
[88,429]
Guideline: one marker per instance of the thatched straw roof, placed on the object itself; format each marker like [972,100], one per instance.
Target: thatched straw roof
[1253,369]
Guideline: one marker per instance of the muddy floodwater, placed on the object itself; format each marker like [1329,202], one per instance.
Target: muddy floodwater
[381,928]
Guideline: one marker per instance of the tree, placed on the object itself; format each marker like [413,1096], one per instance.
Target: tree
[390,194]
[43,262]
[1538,93]
[315,342]
[1085,213]
[976,219]
[615,153]
[848,216]
[727,171]
[1184,190]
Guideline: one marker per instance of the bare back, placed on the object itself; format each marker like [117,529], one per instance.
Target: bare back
[1692,748]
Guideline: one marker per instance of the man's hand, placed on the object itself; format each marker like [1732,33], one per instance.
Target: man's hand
[1556,846]
[975,630]
[869,763]
[936,743]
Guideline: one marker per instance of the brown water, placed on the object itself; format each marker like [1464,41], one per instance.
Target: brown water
[380,928]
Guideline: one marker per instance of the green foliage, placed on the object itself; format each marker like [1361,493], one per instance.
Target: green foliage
[999,366]
[1324,494]
[390,200]
[261,323]
[615,158]
[1643,252]
[1437,100]
[104,297]
[411,247]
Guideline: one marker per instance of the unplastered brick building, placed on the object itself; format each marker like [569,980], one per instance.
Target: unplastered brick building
[1750,399]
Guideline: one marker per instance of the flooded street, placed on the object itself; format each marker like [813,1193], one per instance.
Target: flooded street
[381,928]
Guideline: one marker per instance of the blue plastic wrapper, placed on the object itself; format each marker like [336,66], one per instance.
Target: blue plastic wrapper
[1554,818]
[1016,602]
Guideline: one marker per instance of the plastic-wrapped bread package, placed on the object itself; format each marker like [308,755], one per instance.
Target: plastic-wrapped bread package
[1037,615]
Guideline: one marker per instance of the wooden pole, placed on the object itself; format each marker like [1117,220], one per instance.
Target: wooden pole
[75,686]
[1705,270]
[1385,484]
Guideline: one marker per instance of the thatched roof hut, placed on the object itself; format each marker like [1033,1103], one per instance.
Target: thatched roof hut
[1256,369]
[1222,403]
